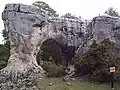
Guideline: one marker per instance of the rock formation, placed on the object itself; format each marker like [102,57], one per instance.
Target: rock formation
[29,27]
[99,28]
[103,27]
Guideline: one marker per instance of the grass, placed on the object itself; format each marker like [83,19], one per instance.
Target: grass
[58,84]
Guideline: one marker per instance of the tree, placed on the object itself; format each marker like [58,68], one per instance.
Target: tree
[4,50]
[51,52]
[4,54]
[70,16]
[96,61]
[52,57]
[112,12]
[46,7]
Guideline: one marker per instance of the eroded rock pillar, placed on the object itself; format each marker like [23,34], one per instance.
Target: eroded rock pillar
[27,28]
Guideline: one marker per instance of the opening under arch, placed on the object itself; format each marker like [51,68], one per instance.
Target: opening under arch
[56,52]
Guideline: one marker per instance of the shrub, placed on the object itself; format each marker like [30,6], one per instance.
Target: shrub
[53,70]
[95,63]
[4,54]
[50,51]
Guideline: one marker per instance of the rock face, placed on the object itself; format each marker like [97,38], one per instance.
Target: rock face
[103,27]
[29,27]
[99,28]
[66,31]
[69,33]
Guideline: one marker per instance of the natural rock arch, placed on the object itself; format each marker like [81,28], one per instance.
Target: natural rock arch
[28,28]
[50,50]
[58,51]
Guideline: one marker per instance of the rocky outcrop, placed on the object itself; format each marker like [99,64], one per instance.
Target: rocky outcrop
[103,27]
[69,33]
[66,31]
[99,28]
[29,27]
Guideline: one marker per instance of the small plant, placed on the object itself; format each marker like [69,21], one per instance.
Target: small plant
[53,70]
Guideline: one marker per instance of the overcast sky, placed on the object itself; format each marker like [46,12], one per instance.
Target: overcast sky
[87,9]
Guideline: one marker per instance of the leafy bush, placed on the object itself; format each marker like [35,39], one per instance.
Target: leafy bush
[4,54]
[96,61]
[112,12]
[51,52]
[53,70]
[46,7]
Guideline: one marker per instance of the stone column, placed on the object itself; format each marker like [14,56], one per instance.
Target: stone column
[27,28]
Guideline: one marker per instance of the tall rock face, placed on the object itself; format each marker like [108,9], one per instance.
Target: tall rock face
[67,31]
[103,27]
[28,27]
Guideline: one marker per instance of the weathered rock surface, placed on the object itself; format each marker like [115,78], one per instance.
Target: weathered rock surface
[28,28]
[99,28]
[66,31]
[105,27]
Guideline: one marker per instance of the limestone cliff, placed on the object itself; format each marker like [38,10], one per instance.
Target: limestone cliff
[26,26]
[29,27]
[103,27]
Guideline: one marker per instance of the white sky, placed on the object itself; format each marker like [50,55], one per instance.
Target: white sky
[87,9]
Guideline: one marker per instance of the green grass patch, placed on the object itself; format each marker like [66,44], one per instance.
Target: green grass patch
[58,84]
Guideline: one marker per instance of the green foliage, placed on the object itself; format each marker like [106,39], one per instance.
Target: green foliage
[53,70]
[112,12]
[4,54]
[96,61]
[50,51]
[4,50]
[46,7]
[70,16]
[51,56]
